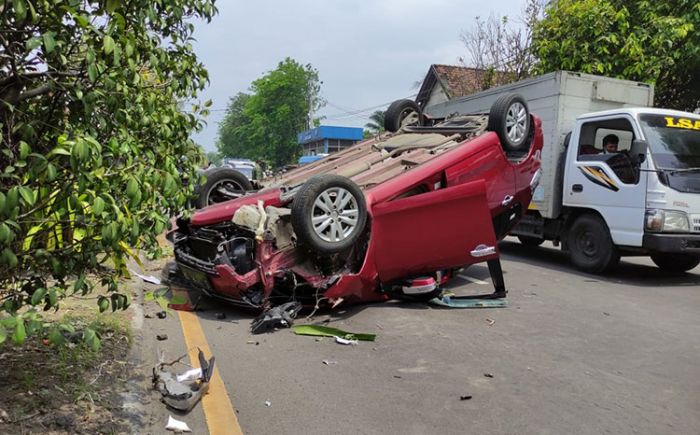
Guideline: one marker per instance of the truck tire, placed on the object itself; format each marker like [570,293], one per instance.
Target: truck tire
[222,185]
[329,214]
[590,245]
[530,241]
[400,113]
[675,263]
[509,118]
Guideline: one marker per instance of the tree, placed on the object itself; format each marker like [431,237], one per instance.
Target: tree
[263,125]
[376,124]
[214,157]
[654,42]
[95,147]
[501,48]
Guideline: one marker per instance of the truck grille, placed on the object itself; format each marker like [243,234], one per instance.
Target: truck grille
[695,223]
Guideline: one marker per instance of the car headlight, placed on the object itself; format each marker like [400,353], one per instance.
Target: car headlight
[666,221]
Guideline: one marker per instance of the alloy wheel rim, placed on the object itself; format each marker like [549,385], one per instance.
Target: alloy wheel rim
[334,215]
[516,122]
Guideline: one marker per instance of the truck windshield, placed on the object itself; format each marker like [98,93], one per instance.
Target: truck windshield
[674,140]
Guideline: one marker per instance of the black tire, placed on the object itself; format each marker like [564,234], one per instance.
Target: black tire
[590,245]
[514,137]
[304,210]
[398,111]
[530,241]
[228,178]
[675,263]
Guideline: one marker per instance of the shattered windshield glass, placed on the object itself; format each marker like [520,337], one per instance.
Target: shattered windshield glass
[674,141]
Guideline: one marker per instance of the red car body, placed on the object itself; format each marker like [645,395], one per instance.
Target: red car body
[443,213]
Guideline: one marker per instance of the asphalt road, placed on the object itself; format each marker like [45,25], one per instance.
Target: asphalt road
[572,353]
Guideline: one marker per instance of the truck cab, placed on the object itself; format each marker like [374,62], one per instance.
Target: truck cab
[643,199]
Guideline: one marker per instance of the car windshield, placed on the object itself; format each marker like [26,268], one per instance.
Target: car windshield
[674,140]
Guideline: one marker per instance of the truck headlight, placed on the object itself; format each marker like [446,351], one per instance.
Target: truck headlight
[666,221]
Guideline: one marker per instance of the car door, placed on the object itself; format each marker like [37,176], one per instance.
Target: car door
[595,182]
[441,229]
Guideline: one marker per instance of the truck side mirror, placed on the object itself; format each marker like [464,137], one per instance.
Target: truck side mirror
[639,150]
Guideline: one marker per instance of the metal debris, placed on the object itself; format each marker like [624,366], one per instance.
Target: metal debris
[161,314]
[465,397]
[161,337]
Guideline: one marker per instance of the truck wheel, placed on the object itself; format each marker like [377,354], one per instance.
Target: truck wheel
[401,113]
[222,185]
[509,118]
[675,263]
[530,241]
[329,214]
[590,245]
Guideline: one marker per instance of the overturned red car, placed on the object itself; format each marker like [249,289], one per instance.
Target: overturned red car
[388,217]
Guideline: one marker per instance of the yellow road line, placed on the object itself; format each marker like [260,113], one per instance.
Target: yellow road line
[221,418]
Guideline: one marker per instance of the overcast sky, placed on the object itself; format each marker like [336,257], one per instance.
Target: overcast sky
[368,52]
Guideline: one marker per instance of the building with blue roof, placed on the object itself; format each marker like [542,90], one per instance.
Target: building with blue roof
[328,139]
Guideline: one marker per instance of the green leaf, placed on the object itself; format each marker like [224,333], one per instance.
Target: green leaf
[33,43]
[98,206]
[92,72]
[132,186]
[20,333]
[24,150]
[3,334]
[38,296]
[5,233]
[49,42]
[108,44]
[27,195]
[20,9]
[111,5]
[103,304]
[55,337]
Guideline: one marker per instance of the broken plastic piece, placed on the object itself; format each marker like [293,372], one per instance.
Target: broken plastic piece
[177,425]
[148,278]
[279,316]
[268,403]
[190,375]
[445,300]
[326,331]
[182,395]
[341,340]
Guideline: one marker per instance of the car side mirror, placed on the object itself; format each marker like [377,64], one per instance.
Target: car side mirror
[639,149]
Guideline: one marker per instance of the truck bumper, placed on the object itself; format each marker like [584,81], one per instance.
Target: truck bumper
[676,243]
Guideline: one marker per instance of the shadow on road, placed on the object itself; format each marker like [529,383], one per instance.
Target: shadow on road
[626,272]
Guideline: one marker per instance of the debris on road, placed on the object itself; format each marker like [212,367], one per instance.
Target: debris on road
[190,375]
[279,316]
[327,331]
[452,301]
[344,341]
[490,321]
[161,314]
[177,425]
[252,342]
[148,278]
[328,363]
[465,397]
[488,375]
[182,395]
[268,403]
[220,316]
[162,337]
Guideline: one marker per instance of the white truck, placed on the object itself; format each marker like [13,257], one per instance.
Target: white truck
[644,200]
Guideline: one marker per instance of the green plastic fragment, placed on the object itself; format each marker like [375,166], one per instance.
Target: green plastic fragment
[326,331]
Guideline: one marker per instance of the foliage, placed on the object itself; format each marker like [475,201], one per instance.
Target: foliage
[263,125]
[375,125]
[213,157]
[655,42]
[95,144]
[501,48]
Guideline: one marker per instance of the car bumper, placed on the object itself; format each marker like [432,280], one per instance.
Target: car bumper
[672,243]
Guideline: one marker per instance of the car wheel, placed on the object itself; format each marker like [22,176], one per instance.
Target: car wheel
[530,241]
[675,263]
[509,118]
[402,113]
[222,184]
[590,245]
[329,214]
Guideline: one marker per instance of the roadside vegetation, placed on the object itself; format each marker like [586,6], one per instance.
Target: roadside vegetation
[95,154]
